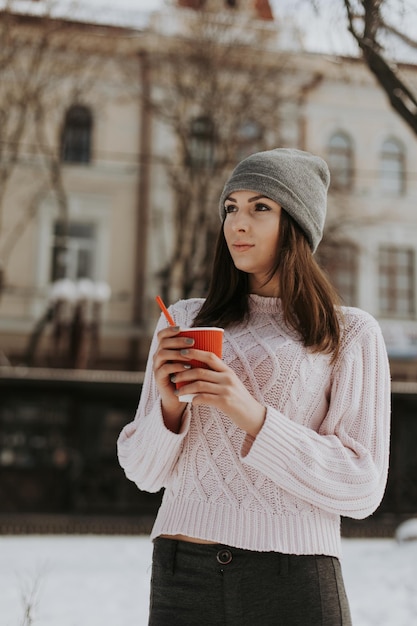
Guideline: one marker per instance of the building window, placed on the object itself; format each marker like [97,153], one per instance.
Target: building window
[73,251]
[340,159]
[202,142]
[396,282]
[76,135]
[249,137]
[341,265]
[391,168]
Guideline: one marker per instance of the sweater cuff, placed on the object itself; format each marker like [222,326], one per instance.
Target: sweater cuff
[185,421]
[184,428]
[273,446]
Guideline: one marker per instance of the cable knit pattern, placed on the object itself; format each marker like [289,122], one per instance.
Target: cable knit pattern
[322,452]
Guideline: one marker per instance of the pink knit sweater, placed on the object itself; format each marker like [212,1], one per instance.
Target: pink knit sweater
[322,452]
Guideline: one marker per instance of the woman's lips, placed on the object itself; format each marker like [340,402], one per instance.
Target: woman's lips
[242,247]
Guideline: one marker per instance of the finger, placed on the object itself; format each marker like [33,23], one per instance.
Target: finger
[201,388]
[185,373]
[174,342]
[211,360]
[169,331]
[173,370]
[169,355]
[163,377]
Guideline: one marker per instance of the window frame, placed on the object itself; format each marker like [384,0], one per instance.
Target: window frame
[394,157]
[76,135]
[341,178]
[202,137]
[335,263]
[76,245]
[396,286]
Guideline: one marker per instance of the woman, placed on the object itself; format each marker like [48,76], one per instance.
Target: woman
[286,434]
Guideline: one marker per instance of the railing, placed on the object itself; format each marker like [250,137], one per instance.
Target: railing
[58,432]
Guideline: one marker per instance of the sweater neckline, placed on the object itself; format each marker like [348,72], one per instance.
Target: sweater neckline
[265,304]
[272,308]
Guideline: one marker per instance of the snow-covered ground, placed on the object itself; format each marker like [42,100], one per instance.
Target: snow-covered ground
[96,580]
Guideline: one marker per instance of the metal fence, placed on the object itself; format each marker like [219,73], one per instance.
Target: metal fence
[58,432]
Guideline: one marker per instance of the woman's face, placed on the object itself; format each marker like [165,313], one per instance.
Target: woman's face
[251,231]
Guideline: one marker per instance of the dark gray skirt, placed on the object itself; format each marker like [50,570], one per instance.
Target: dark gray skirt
[197,585]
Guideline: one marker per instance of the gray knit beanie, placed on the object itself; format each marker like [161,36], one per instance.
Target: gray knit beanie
[295,179]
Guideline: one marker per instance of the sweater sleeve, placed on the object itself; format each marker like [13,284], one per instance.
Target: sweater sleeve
[147,450]
[343,467]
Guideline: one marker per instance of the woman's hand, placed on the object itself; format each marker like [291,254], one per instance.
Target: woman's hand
[168,361]
[219,387]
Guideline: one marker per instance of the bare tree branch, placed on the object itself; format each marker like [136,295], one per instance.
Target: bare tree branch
[402,98]
[212,85]
[46,65]
[412,43]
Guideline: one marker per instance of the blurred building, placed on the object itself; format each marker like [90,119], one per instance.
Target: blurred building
[91,199]
[87,164]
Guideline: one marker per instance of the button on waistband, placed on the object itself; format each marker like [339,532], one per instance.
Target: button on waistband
[224,556]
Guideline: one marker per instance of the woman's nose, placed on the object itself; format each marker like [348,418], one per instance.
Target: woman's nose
[240,222]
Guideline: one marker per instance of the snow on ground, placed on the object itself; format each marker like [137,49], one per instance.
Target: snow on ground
[96,580]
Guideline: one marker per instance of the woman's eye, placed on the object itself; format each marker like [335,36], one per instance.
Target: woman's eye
[230,208]
[262,207]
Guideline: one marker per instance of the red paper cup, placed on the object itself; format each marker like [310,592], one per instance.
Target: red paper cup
[209,339]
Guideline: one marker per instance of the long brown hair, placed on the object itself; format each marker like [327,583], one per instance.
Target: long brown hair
[310,304]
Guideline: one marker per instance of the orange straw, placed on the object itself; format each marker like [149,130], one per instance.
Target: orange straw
[165,311]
